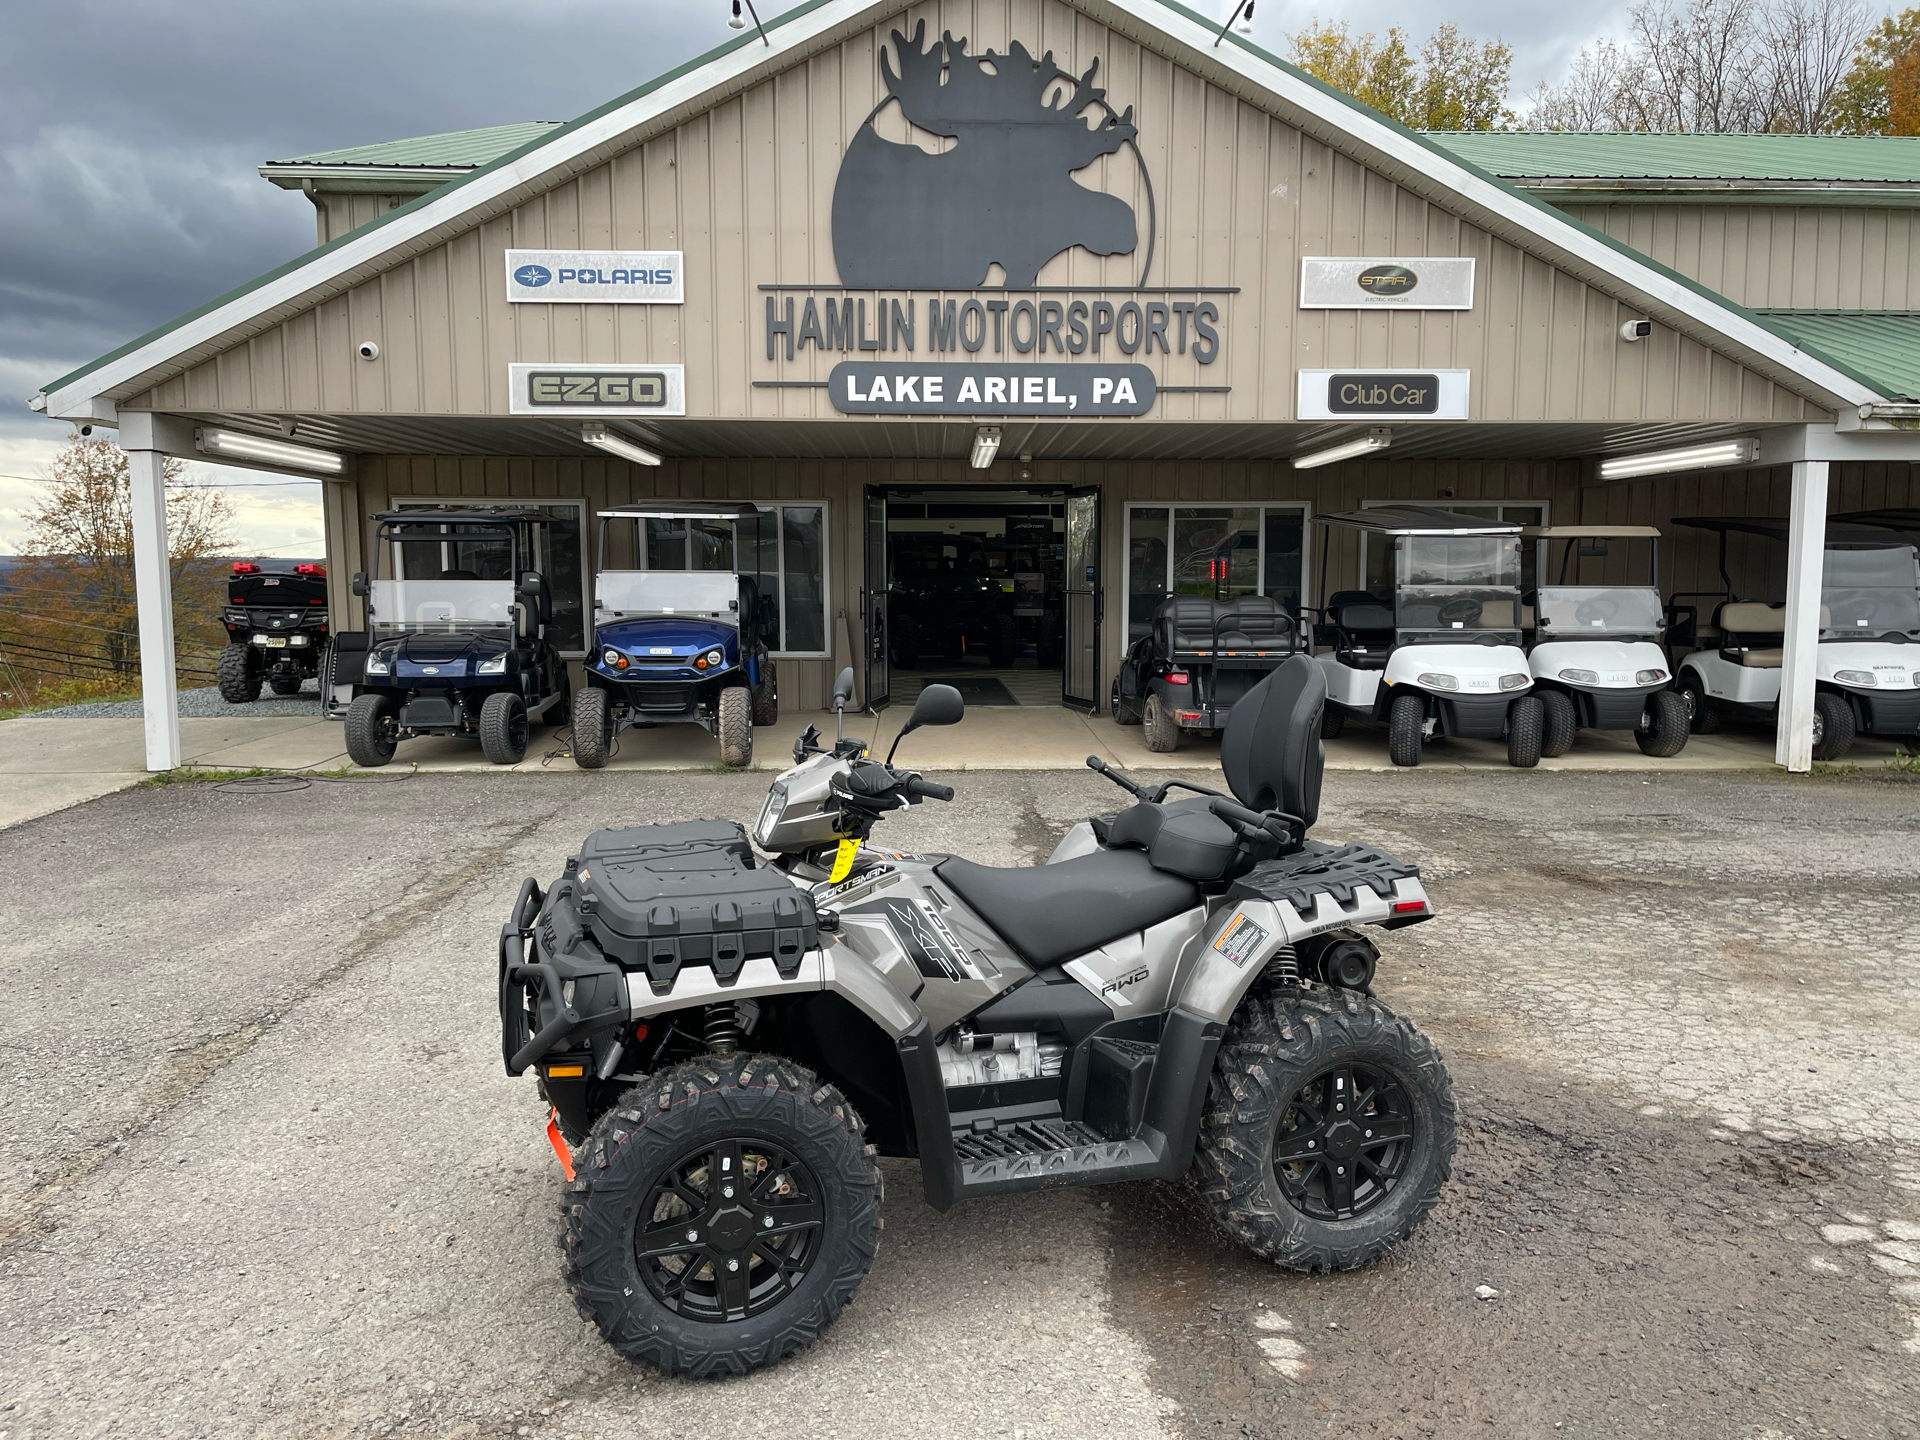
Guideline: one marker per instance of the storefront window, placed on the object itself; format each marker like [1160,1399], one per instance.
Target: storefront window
[1215,551]
[784,550]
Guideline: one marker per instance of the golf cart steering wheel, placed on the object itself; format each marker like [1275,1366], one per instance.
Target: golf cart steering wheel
[1462,608]
[1600,607]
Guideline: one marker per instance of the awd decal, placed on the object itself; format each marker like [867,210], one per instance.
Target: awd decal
[1120,982]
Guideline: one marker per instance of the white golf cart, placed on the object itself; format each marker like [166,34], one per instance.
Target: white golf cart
[1598,658]
[1867,667]
[1439,654]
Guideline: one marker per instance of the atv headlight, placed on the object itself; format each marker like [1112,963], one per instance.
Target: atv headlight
[1580,677]
[1439,682]
[492,665]
[1856,677]
[1649,677]
[378,664]
[1515,682]
[770,814]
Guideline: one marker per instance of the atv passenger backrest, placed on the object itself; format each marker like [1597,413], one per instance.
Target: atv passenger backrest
[1271,752]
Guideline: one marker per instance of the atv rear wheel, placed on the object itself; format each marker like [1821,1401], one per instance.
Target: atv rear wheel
[1158,728]
[239,681]
[1561,724]
[1406,729]
[735,725]
[504,729]
[687,1268]
[373,734]
[1702,718]
[1342,1133]
[592,728]
[766,695]
[1124,712]
[1833,728]
[1526,720]
[1663,728]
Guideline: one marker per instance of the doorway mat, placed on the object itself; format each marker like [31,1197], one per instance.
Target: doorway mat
[974,689]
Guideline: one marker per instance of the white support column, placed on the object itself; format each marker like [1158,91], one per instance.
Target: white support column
[153,587]
[1806,544]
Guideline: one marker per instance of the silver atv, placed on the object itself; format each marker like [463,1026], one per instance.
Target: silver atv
[727,1029]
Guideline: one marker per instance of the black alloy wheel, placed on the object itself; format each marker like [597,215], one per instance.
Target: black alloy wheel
[1342,1142]
[729,1230]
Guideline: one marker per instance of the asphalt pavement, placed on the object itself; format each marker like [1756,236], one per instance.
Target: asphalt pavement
[262,1174]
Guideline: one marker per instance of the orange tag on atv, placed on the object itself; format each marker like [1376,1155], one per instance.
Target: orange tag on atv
[843,861]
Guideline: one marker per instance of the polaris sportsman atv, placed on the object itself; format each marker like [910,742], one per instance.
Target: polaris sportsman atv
[1866,667]
[683,643]
[1439,654]
[1198,659]
[1597,655]
[276,630]
[725,1041]
[457,643]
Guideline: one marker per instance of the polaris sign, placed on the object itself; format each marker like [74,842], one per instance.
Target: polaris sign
[598,277]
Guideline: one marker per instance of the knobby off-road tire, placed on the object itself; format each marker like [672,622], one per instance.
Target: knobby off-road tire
[504,728]
[1833,728]
[736,727]
[325,678]
[766,695]
[673,1126]
[1332,723]
[1526,722]
[1406,729]
[1124,711]
[1003,648]
[239,681]
[1276,1071]
[1158,728]
[592,728]
[1560,724]
[1693,694]
[1663,728]
[372,734]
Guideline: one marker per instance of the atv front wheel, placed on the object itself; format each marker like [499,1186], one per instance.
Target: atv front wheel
[1526,720]
[1561,724]
[721,1215]
[504,730]
[1162,734]
[1833,728]
[239,681]
[1406,729]
[1329,1129]
[766,695]
[592,728]
[736,727]
[372,732]
[1663,726]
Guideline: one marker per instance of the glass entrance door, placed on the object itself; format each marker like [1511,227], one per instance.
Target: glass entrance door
[1081,589]
[873,689]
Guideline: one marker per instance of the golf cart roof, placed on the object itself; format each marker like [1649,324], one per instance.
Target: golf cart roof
[469,514]
[1591,532]
[1774,527]
[1895,519]
[684,510]
[1417,520]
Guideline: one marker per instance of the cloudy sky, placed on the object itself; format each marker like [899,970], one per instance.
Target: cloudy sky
[130,129]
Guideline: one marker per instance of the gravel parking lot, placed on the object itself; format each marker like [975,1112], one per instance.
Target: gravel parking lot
[262,1175]
[203,703]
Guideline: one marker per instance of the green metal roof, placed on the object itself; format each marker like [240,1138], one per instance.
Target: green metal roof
[1586,155]
[457,148]
[1883,345]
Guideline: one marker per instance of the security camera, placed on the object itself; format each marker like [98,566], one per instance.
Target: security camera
[1636,329]
[369,350]
[85,431]
[289,427]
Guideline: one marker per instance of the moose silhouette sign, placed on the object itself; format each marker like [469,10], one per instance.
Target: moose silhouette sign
[1004,192]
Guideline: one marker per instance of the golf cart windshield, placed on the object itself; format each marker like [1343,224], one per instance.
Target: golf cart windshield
[1450,584]
[449,577]
[1600,610]
[665,592]
[1866,593]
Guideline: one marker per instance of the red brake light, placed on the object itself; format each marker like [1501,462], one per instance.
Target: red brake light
[245,567]
[1176,677]
[1408,907]
[319,570]
[1189,714]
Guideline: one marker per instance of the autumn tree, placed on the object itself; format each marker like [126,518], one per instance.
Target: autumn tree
[1452,83]
[1880,93]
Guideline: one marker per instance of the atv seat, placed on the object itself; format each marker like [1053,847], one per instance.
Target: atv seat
[1050,913]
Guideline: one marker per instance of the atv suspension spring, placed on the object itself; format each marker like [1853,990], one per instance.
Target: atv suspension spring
[723,1028]
[1283,968]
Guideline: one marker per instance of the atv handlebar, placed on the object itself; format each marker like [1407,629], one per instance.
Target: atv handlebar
[927,789]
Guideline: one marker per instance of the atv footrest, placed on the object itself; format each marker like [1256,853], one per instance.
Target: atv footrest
[1035,1154]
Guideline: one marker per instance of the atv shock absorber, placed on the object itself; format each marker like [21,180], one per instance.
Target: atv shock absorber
[1283,968]
[722,1028]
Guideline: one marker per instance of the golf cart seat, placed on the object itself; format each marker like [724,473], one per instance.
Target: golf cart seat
[1252,622]
[1744,622]
[1362,624]
[458,575]
[1183,622]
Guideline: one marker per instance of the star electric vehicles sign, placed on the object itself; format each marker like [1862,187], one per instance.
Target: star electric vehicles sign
[602,277]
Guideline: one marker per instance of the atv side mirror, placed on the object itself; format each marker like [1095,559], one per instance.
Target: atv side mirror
[842,694]
[359,584]
[937,705]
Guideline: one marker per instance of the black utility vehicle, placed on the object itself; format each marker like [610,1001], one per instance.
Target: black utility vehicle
[457,643]
[276,630]
[1200,658]
[945,600]
[724,1041]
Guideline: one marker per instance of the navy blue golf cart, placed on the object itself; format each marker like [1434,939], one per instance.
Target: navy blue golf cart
[457,638]
[680,638]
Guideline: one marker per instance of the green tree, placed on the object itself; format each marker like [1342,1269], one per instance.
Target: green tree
[1880,93]
[1454,83]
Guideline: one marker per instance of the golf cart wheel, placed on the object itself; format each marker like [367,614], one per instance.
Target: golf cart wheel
[1158,728]
[1332,723]
[504,729]
[1406,729]
[1663,727]
[372,732]
[903,647]
[1702,717]
[1328,1131]
[1124,712]
[1526,722]
[1560,724]
[1833,728]
[687,1269]
[239,681]
[286,684]
[736,727]
[1004,648]
[592,728]
[766,695]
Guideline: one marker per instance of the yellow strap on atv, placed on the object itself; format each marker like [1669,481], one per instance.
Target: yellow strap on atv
[843,861]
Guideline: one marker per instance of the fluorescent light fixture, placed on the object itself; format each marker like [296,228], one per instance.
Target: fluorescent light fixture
[1376,439]
[240,447]
[596,434]
[986,444]
[1717,455]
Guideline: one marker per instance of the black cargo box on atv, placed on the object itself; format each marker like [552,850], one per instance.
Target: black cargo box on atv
[663,896]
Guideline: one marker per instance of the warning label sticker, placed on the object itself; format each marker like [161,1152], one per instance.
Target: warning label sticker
[1241,939]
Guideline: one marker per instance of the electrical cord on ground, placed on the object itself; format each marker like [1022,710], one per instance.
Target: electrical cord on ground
[286,780]
[564,750]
